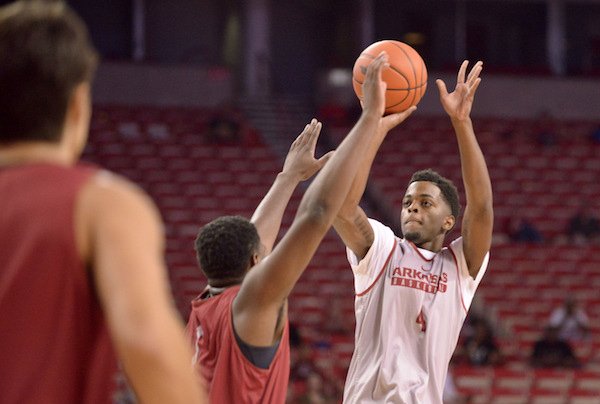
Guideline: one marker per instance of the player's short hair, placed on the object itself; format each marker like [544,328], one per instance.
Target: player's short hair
[46,52]
[447,187]
[225,246]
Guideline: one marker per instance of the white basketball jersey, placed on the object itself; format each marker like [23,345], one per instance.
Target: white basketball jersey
[410,306]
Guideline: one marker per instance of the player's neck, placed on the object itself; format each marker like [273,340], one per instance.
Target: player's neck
[35,152]
[434,245]
[224,283]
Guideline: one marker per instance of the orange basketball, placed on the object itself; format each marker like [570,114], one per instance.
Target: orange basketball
[406,77]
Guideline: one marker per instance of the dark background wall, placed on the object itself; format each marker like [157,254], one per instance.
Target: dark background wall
[309,36]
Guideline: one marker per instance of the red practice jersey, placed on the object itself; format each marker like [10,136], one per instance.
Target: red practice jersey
[229,376]
[54,342]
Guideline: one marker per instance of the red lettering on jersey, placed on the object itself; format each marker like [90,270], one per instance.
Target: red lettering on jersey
[396,281]
[415,279]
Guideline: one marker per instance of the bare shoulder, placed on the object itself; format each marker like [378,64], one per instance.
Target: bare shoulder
[106,186]
[107,203]
[111,194]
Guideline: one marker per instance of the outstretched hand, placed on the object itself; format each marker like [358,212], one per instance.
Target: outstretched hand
[300,161]
[458,103]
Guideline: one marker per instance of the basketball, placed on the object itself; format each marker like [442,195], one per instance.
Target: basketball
[406,76]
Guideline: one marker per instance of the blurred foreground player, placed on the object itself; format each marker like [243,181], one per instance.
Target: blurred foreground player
[412,295]
[239,324]
[82,277]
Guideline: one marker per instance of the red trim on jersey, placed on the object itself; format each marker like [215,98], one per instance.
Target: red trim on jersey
[419,252]
[387,261]
[458,277]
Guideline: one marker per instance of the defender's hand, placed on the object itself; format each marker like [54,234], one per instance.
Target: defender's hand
[300,161]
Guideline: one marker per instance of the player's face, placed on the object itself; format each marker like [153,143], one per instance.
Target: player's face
[425,214]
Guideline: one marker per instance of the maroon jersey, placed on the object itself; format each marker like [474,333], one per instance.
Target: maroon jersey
[54,343]
[229,376]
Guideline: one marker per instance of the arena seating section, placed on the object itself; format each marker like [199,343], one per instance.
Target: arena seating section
[164,150]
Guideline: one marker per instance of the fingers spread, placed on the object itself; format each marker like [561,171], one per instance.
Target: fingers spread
[461,72]
[474,87]
[441,87]
[474,73]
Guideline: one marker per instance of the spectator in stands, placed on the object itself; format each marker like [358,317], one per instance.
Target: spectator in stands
[317,388]
[301,363]
[314,393]
[228,127]
[481,348]
[239,323]
[224,129]
[333,383]
[303,367]
[521,230]
[551,351]
[570,320]
[84,292]
[584,225]
[480,311]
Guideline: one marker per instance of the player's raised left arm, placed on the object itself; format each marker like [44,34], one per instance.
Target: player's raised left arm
[478,217]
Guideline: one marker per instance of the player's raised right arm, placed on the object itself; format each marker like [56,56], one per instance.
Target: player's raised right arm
[352,223]
[122,238]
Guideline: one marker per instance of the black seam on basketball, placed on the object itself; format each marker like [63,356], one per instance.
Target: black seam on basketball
[409,89]
[422,89]
[395,89]
[398,103]
[390,66]
[405,89]
[397,71]
[411,65]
